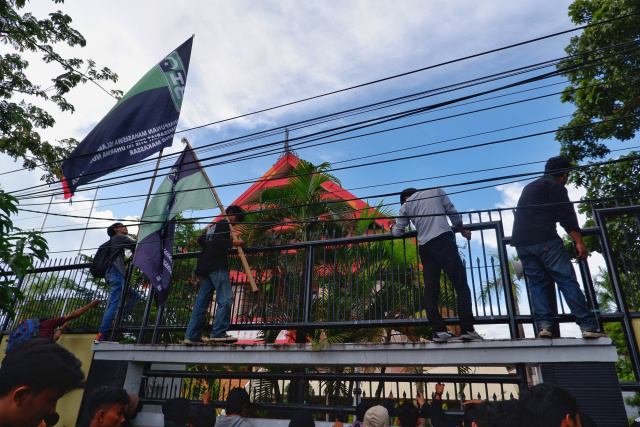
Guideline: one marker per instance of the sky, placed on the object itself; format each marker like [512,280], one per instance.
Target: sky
[248,56]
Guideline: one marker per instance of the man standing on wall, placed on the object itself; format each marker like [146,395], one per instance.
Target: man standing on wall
[542,204]
[212,266]
[119,241]
[438,251]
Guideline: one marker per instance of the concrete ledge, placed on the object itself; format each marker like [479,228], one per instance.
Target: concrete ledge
[479,353]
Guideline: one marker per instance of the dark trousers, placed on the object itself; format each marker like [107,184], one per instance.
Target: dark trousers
[441,254]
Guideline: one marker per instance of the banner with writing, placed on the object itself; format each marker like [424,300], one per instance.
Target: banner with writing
[141,123]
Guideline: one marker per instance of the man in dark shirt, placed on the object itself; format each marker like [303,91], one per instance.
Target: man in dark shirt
[212,266]
[115,279]
[542,203]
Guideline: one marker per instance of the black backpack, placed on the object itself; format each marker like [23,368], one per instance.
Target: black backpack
[101,260]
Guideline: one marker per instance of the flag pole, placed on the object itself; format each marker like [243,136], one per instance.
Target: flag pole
[153,180]
[245,264]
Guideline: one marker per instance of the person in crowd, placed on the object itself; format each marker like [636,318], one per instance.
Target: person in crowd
[361,409]
[542,204]
[506,413]
[550,406]
[475,411]
[115,278]
[438,251]
[236,408]
[33,376]
[587,421]
[408,415]
[376,416]
[203,415]
[212,266]
[302,418]
[46,327]
[176,412]
[107,407]
[435,411]
[132,409]
[50,420]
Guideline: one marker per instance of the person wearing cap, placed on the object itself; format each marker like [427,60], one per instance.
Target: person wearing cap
[119,241]
[543,203]
[212,266]
[427,209]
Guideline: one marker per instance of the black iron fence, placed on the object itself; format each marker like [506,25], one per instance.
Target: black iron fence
[359,288]
[328,391]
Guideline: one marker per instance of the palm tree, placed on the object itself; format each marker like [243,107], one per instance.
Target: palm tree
[300,209]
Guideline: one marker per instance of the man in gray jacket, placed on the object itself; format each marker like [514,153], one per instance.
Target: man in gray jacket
[438,251]
[237,403]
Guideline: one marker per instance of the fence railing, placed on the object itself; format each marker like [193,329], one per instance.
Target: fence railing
[338,289]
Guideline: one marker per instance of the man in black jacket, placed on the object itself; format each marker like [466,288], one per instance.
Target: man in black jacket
[542,204]
[212,266]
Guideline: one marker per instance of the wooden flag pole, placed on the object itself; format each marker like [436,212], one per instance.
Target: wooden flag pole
[153,180]
[245,264]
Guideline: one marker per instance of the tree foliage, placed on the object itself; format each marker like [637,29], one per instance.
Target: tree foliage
[18,251]
[603,77]
[20,120]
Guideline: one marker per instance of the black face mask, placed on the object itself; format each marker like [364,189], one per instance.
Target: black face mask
[51,419]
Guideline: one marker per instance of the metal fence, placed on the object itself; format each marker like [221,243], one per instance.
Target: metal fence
[358,288]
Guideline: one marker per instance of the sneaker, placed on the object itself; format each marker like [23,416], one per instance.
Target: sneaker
[194,341]
[545,333]
[444,336]
[228,339]
[102,339]
[594,334]
[470,336]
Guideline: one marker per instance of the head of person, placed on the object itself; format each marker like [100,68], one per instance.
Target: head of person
[302,418]
[408,415]
[176,412]
[507,413]
[235,213]
[558,167]
[116,228]
[475,415]
[33,376]
[376,416]
[406,193]
[107,406]
[203,416]
[362,408]
[237,402]
[549,405]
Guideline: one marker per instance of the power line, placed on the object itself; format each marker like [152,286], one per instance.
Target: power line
[412,72]
[367,123]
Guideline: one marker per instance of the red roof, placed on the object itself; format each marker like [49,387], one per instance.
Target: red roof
[277,176]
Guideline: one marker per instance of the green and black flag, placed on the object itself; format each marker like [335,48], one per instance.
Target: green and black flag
[185,188]
[141,123]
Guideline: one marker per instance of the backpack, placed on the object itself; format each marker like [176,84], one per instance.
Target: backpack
[26,330]
[101,260]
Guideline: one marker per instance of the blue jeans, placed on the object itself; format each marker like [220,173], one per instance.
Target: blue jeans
[218,281]
[115,280]
[545,264]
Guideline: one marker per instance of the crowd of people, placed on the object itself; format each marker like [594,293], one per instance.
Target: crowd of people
[38,372]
